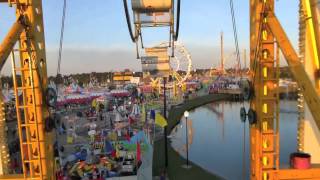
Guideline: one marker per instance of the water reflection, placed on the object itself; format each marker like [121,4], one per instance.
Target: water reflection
[216,138]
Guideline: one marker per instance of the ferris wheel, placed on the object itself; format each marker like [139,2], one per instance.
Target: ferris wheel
[181,63]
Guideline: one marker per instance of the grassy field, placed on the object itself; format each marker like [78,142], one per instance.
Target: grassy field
[175,170]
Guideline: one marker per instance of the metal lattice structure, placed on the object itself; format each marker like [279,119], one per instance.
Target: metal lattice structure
[31,70]
[266,32]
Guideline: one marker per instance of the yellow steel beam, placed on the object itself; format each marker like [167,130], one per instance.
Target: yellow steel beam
[255,136]
[311,30]
[9,42]
[33,57]
[312,41]
[289,174]
[12,177]
[296,67]
[315,19]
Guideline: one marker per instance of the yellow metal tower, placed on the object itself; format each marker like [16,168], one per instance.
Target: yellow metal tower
[32,112]
[309,134]
[264,142]
[265,31]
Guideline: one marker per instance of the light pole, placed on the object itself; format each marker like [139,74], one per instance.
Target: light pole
[165,116]
[186,115]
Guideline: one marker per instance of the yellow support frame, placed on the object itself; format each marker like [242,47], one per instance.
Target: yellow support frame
[309,9]
[262,19]
[264,134]
[38,144]
[296,67]
[10,40]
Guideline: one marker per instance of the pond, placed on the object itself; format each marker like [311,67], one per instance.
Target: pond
[216,137]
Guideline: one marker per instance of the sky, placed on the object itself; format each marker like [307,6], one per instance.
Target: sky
[97,38]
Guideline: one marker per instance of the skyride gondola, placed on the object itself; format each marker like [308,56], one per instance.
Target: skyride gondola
[152,14]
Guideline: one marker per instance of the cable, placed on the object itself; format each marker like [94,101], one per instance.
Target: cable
[178,21]
[235,33]
[125,5]
[61,35]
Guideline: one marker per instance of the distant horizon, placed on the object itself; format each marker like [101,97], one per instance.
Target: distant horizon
[123,70]
[97,38]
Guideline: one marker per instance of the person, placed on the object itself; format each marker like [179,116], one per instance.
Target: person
[111,122]
[163,175]
[56,149]
[101,116]
[63,126]
[102,176]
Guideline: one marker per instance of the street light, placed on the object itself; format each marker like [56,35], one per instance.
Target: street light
[186,115]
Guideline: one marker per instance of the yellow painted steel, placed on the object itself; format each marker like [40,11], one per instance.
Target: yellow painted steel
[299,174]
[263,139]
[309,47]
[296,67]
[264,66]
[12,177]
[311,31]
[34,59]
[315,13]
[9,41]
[36,145]
[312,36]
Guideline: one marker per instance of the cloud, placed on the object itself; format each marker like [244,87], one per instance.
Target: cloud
[78,60]
[84,60]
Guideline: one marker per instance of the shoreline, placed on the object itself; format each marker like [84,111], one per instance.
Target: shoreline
[175,170]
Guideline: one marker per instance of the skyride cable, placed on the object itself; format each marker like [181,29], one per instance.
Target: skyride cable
[235,34]
[61,35]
